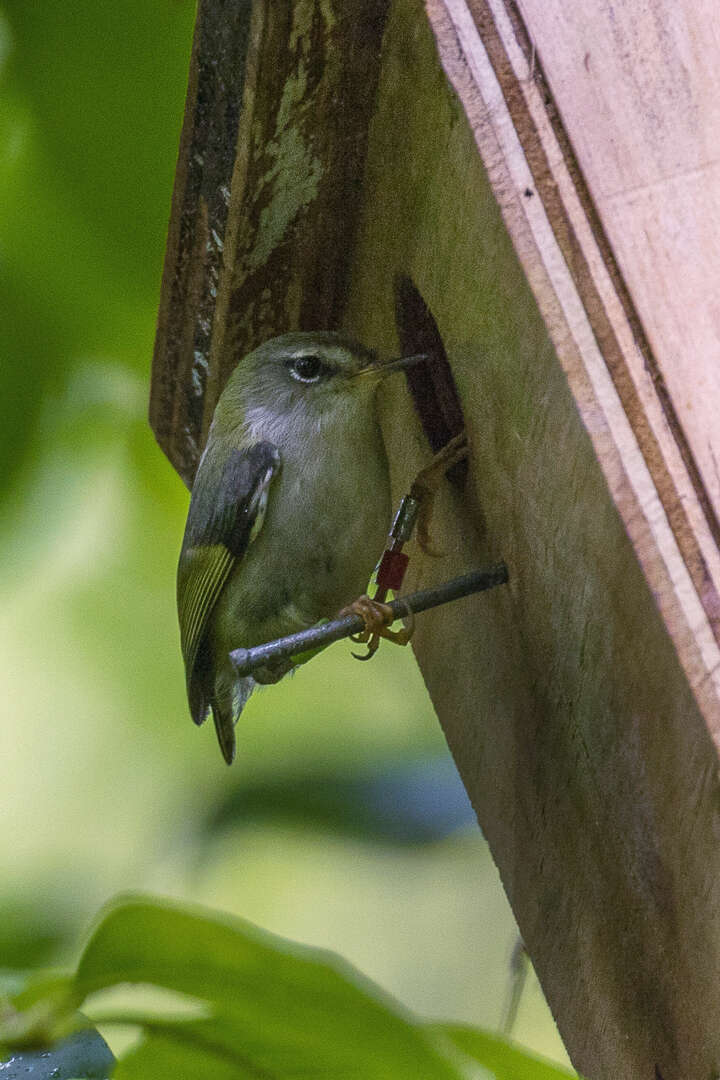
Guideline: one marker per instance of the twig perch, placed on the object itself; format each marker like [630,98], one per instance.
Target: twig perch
[247,660]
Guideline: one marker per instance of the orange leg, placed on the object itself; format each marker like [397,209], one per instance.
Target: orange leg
[376,615]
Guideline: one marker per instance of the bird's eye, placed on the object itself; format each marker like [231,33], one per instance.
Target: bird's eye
[307,368]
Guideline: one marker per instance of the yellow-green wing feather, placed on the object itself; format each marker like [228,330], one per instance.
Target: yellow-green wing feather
[226,513]
[205,571]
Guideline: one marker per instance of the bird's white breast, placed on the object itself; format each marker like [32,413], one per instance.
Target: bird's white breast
[327,518]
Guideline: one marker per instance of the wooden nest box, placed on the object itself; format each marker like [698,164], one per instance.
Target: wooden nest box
[531,189]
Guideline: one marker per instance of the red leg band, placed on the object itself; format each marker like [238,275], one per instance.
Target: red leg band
[391,570]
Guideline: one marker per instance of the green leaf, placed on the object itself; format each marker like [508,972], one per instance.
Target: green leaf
[83,1056]
[262,1008]
[164,1058]
[505,1060]
[275,1009]
[40,1012]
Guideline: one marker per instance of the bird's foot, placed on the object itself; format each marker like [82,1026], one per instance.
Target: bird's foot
[428,481]
[377,618]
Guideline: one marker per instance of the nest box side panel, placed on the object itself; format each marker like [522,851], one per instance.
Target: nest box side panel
[648,76]
[577,280]
[572,721]
[266,193]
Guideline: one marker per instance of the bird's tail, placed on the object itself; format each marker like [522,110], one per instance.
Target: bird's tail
[228,701]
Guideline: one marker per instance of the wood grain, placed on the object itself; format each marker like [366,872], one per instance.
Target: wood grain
[266,192]
[582,703]
[588,758]
[194,254]
[648,76]
[579,263]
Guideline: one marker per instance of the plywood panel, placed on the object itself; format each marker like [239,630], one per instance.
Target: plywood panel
[544,199]
[638,90]
[585,753]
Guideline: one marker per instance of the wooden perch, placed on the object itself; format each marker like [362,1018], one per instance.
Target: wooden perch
[542,186]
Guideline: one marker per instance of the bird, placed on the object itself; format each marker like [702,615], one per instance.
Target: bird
[289,510]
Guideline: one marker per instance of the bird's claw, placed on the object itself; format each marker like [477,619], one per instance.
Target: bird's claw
[427,482]
[377,618]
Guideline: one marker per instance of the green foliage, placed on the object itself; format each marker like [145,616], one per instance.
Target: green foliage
[252,1005]
[31,930]
[502,1058]
[89,124]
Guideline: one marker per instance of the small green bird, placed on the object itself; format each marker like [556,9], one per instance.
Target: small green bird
[289,511]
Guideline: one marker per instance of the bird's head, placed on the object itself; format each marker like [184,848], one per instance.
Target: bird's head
[307,380]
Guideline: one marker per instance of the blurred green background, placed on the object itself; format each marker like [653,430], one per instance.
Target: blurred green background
[342,823]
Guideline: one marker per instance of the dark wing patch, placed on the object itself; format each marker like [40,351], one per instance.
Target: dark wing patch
[224,517]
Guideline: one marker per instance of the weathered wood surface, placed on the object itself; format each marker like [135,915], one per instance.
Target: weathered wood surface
[266,192]
[586,754]
[575,274]
[648,76]
[221,71]
[580,703]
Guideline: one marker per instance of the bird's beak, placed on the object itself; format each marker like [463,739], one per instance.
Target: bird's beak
[380,370]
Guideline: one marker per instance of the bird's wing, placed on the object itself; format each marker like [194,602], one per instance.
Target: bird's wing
[226,514]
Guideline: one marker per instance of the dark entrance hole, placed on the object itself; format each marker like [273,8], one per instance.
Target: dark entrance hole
[431,384]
